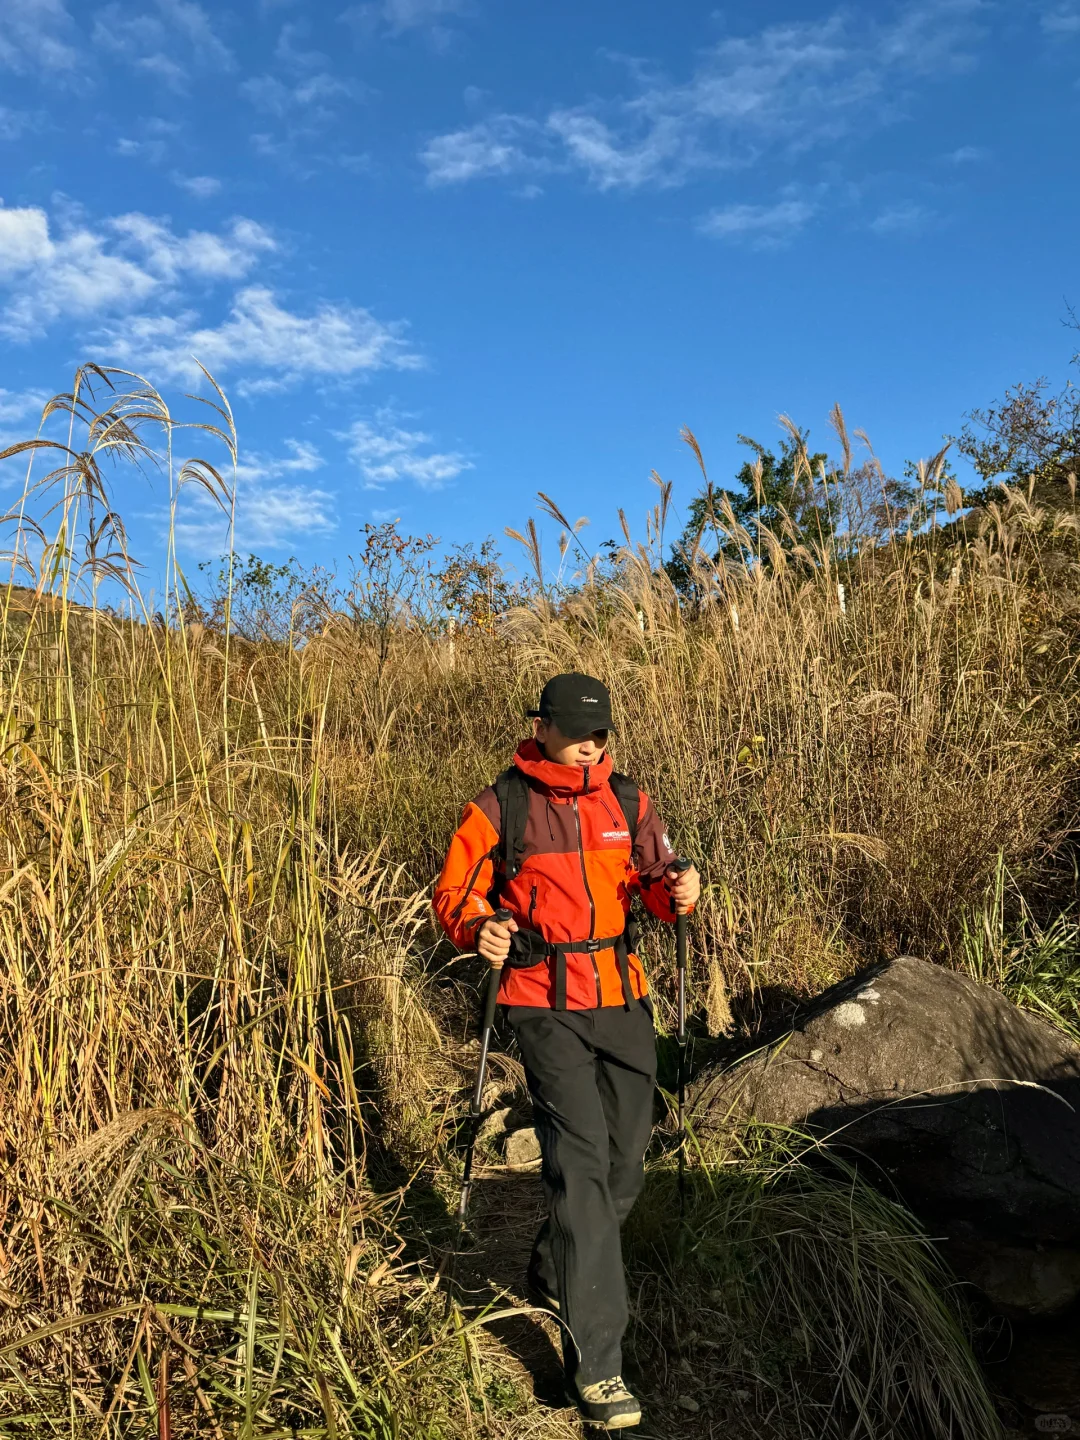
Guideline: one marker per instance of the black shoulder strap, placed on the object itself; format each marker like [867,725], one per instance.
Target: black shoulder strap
[512,792]
[629,798]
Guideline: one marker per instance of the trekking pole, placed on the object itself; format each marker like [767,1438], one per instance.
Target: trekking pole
[491,999]
[681,865]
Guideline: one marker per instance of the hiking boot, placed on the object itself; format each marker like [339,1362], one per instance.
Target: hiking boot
[539,1292]
[609,1403]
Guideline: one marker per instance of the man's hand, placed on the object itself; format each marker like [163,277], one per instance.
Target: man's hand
[493,941]
[684,887]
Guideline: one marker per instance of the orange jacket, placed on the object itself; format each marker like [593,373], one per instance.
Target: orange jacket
[576,882]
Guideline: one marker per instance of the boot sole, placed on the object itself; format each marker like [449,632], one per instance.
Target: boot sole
[618,1422]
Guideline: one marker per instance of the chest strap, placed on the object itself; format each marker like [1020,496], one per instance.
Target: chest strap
[528,948]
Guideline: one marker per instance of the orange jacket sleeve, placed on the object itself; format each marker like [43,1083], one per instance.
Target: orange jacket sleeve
[460,899]
[652,857]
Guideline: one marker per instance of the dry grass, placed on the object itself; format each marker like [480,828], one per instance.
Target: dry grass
[231,1045]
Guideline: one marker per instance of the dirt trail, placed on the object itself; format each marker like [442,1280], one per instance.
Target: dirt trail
[507,1210]
[506,1213]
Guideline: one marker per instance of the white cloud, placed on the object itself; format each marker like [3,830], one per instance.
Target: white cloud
[613,162]
[311,93]
[192,22]
[408,14]
[126,275]
[762,225]
[168,44]
[316,92]
[47,278]
[303,458]
[397,16]
[228,256]
[151,150]
[16,405]
[276,514]
[967,155]
[37,35]
[152,145]
[166,69]
[494,147]
[780,90]
[272,507]
[202,187]
[385,452]
[336,341]
[1063,21]
[14,123]
[905,218]
[80,272]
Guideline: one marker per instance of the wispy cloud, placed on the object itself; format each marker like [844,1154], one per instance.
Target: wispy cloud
[316,92]
[152,145]
[385,452]
[395,17]
[15,123]
[261,335]
[113,274]
[38,35]
[169,43]
[502,145]
[777,92]
[16,405]
[763,226]
[200,187]
[905,218]
[1064,21]
[80,271]
[273,506]
[967,155]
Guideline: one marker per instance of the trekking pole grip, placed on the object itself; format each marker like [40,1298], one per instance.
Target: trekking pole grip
[491,1001]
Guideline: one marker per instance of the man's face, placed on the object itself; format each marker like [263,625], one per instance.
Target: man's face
[569,750]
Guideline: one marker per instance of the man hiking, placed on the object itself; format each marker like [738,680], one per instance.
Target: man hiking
[563,844]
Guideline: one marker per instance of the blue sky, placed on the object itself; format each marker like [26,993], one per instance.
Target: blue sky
[445,253]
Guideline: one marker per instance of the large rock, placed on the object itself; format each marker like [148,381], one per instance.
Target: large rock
[948,1094]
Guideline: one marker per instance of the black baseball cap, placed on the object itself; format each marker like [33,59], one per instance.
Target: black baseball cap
[577,704]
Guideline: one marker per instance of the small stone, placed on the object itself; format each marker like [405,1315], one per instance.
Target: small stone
[497,1123]
[684,1402]
[742,1396]
[817,1055]
[522,1149]
[685,1368]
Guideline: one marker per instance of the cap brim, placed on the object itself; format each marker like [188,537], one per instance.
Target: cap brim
[573,724]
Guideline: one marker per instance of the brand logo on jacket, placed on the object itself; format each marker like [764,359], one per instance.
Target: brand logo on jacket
[616,834]
[590,700]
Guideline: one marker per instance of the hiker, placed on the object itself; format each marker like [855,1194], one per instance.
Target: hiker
[563,843]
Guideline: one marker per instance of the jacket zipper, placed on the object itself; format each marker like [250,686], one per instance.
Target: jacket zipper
[588,892]
[532,908]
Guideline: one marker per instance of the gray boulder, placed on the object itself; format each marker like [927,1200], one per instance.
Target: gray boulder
[946,1094]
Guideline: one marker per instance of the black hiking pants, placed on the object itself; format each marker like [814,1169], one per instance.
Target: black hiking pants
[591,1075]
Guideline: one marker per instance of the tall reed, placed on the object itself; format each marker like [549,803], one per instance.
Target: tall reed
[231,1044]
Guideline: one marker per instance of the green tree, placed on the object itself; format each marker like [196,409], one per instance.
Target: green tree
[787,494]
[1031,437]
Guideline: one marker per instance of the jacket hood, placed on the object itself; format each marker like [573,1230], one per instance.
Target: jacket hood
[561,780]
